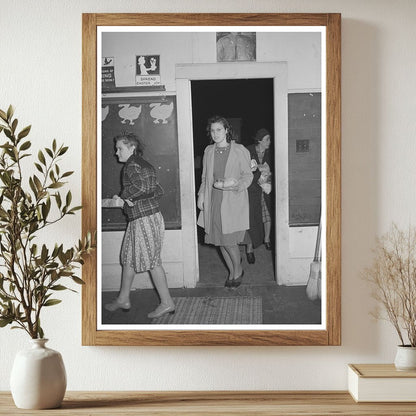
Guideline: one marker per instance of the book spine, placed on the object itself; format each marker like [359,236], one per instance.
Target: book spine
[353,381]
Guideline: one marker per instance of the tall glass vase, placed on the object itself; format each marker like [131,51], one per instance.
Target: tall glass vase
[38,377]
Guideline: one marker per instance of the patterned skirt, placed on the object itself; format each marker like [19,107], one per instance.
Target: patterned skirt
[142,243]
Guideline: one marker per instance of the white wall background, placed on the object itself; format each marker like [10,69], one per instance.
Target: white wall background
[40,73]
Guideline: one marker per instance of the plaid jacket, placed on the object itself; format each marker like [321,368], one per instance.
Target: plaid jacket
[140,186]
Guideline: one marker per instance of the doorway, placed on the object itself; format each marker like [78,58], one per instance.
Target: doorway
[274,73]
[248,105]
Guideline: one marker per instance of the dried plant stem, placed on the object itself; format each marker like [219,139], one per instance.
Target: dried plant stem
[393,276]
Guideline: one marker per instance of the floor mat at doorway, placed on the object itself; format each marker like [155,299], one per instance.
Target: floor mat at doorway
[214,311]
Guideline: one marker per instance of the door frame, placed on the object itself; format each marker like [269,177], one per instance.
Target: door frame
[184,74]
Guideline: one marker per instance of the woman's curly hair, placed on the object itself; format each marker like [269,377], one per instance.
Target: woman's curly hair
[224,122]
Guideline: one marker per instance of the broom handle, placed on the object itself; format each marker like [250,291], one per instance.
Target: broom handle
[318,243]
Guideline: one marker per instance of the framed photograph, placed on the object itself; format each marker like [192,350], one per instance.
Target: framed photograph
[211,172]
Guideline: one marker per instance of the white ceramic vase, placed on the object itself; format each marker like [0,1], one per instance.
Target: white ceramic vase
[38,377]
[405,358]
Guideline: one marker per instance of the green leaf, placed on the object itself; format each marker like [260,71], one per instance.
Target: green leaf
[56,185]
[76,279]
[51,302]
[68,199]
[55,251]
[54,145]
[45,211]
[63,150]
[77,208]
[39,167]
[59,287]
[33,187]
[34,249]
[60,249]
[44,253]
[62,257]
[14,125]
[5,321]
[10,112]
[67,174]
[24,132]
[37,183]
[25,145]
[58,199]
[40,331]
[34,226]
[66,274]
[3,115]
[8,133]
[41,157]
[49,152]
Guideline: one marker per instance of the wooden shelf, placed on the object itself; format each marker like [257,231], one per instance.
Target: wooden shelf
[210,403]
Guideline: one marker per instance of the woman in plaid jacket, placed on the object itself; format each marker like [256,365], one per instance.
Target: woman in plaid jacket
[143,239]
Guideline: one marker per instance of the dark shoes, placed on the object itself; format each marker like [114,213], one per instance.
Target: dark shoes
[250,258]
[237,282]
[234,282]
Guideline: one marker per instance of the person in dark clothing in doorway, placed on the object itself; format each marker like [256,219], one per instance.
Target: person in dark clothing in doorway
[259,194]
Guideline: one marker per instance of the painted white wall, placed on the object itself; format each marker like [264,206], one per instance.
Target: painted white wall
[172,48]
[300,50]
[40,73]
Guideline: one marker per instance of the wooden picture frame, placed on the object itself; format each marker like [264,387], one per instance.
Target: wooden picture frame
[330,334]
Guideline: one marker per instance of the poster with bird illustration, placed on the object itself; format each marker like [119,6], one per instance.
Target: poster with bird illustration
[154,121]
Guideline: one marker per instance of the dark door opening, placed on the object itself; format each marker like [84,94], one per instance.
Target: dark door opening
[249,105]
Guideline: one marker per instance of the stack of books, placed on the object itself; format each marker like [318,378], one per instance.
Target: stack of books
[381,383]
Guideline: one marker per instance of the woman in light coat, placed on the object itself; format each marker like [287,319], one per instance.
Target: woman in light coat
[223,197]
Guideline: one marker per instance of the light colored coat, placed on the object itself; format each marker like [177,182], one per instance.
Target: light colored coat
[235,205]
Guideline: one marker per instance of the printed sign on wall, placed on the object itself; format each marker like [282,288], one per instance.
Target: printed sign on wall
[147,70]
[107,73]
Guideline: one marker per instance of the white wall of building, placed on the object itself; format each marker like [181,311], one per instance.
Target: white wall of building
[300,50]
